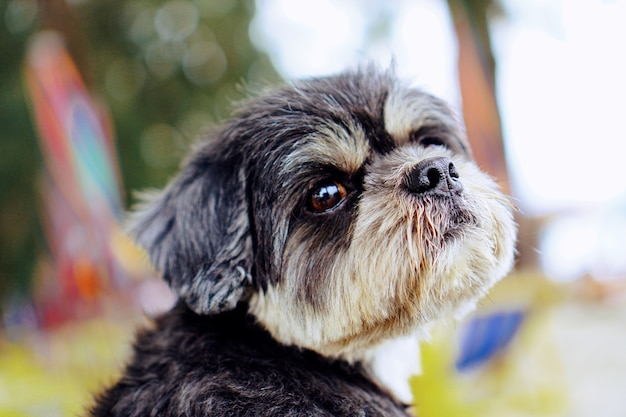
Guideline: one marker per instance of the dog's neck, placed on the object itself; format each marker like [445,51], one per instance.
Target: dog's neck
[390,364]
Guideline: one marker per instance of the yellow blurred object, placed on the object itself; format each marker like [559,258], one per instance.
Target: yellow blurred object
[526,379]
[437,391]
[55,373]
[133,258]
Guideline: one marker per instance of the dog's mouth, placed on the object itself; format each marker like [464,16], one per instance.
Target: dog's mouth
[459,219]
[442,219]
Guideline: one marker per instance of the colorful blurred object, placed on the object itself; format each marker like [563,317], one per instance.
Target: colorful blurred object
[82,201]
[74,132]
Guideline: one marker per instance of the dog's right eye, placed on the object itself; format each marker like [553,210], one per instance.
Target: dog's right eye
[325,196]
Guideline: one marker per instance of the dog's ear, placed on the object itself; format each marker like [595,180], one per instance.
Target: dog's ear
[197,233]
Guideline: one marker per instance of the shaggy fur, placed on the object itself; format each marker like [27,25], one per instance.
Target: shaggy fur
[225,364]
[327,217]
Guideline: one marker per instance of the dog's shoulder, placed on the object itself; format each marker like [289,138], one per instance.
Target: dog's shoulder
[226,364]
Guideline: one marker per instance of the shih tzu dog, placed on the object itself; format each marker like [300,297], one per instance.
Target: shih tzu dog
[326,217]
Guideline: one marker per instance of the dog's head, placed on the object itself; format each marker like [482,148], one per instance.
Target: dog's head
[344,210]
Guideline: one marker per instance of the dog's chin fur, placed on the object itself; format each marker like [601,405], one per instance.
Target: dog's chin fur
[411,261]
[241,229]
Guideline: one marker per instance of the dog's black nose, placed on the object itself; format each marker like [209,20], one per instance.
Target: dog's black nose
[434,176]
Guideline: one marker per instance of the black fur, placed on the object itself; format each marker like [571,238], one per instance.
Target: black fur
[225,365]
[197,234]
[219,232]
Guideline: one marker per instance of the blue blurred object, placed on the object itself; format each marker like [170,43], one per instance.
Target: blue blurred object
[484,336]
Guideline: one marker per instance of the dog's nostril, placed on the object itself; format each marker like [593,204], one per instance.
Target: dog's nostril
[433,175]
[452,170]
[431,179]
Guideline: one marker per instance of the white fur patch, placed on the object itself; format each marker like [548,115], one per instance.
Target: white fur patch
[395,361]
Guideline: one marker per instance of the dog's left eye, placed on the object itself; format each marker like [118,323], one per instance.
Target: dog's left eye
[431,141]
[429,136]
[325,196]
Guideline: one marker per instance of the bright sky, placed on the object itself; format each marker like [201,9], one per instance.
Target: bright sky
[561,78]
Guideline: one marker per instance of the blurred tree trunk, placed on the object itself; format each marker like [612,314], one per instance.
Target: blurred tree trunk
[476,67]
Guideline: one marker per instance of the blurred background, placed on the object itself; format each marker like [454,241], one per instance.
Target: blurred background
[101,99]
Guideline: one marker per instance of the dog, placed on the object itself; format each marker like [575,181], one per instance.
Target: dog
[326,217]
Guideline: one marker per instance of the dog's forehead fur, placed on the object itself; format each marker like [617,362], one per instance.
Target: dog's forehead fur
[353,114]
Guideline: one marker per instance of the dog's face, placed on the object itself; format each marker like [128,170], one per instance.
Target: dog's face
[345,210]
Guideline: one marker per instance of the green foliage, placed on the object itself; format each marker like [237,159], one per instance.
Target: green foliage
[164,69]
[19,160]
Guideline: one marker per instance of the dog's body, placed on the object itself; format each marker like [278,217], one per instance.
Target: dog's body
[325,218]
[226,365]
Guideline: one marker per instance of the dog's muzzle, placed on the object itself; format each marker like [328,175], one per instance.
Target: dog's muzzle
[434,176]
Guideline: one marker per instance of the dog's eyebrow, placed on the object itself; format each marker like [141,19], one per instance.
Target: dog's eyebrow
[342,146]
[374,127]
[407,111]
[441,131]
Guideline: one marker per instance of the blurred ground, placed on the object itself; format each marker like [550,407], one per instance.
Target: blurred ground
[568,360]
[591,341]
[53,374]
